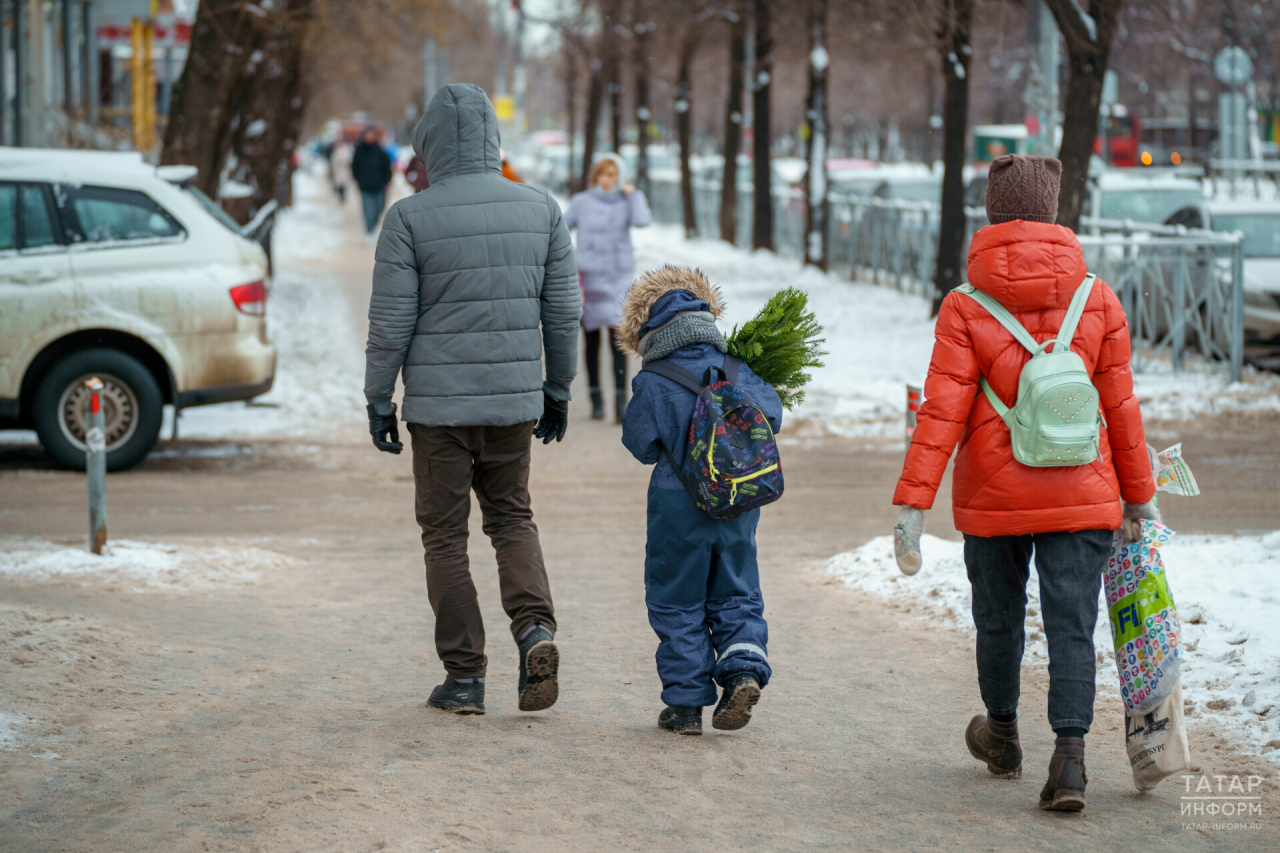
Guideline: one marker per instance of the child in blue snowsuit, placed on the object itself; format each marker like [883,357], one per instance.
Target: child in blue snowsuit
[702,583]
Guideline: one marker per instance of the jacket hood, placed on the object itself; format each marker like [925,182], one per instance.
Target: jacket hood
[644,306]
[1027,265]
[458,133]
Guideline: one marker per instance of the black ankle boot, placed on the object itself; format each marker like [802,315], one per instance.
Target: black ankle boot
[460,697]
[681,719]
[597,405]
[620,405]
[539,669]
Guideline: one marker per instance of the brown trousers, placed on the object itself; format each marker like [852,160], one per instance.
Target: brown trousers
[448,463]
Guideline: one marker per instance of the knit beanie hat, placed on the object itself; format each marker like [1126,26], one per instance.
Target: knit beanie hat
[1023,188]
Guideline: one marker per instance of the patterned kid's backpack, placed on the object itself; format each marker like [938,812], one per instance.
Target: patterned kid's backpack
[732,452]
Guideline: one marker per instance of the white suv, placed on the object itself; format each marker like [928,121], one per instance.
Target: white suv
[113,268]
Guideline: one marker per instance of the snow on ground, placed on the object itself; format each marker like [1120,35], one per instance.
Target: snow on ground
[1227,589]
[141,566]
[11,729]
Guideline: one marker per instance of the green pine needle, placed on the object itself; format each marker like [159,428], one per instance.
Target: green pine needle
[781,344]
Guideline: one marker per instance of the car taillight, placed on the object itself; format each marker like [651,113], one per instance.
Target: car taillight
[250,298]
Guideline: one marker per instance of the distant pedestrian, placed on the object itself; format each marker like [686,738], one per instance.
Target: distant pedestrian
[371,168]
[701,579]
[1065,512]
[341,169]
[604,216]
[473,287]
[508,171]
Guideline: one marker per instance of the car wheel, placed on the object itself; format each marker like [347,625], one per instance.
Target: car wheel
[132,408]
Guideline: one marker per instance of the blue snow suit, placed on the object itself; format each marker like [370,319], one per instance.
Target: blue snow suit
[702,582]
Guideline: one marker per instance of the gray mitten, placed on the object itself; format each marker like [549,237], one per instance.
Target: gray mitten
[906,539]
[1131,528]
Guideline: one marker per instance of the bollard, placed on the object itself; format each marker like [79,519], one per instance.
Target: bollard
[95,454]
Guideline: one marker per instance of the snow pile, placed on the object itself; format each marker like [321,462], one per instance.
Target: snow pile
[878,339]
[1203,389]
[1227,589]
[155,566]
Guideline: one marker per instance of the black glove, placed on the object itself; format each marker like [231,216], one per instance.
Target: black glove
[555,419]
[384,425]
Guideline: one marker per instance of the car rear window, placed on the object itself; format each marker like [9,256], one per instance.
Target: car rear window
[37,223]
[107,214]
[211,207]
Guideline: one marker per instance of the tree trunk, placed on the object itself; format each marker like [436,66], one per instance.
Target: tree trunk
[641,60]
[269,117]
[684,122]
[571,102]
[954,47]
[816,207]
[595,95]
[733,126]
[201,107]
[614,87]
[761,80]
[1088,43]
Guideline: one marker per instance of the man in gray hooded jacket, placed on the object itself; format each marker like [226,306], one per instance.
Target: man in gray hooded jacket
[474,281]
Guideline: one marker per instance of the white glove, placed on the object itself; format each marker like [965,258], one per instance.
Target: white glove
[906,539]
[1131,527]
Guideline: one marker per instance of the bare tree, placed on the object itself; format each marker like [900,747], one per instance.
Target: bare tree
[762,129]
[684,124]
[816,207]
[733,123]
[1088,37]
[595,96]
[642,27]
[954,22]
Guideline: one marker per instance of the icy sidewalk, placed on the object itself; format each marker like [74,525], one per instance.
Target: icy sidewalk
[1227,589]
[880,339]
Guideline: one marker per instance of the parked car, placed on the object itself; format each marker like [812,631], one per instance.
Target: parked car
[113,268]
[1259,222]
[1140,196]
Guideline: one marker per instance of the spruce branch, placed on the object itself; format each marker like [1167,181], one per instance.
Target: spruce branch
[781,344]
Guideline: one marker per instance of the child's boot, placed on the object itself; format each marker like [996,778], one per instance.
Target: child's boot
[681,719]
[597,404]
[733,711]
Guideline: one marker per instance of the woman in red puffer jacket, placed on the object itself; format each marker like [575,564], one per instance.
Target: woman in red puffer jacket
[1005,508]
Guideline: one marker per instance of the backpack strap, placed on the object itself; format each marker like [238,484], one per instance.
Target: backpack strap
[731,366]
[675,373]
[1074,312]
[1002,315]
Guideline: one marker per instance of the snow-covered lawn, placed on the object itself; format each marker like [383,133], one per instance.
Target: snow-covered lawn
[1227,589]
[141,566]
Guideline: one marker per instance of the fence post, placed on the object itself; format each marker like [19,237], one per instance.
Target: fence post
[1237,310]
[1179,341]
[95,440]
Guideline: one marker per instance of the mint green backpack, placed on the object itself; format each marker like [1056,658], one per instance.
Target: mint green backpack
[1056,418]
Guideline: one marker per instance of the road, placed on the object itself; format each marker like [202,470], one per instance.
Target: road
[288,714]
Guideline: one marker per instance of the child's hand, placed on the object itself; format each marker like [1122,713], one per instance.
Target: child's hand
[906,539]
[628,189]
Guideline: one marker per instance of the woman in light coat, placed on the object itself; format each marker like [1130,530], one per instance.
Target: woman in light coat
[604,216]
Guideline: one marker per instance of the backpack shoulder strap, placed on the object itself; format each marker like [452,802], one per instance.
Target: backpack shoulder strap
[1074,312]
[1002,315]
[675,373]
[731,366]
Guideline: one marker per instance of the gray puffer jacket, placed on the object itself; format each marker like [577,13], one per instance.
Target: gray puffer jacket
[474,280]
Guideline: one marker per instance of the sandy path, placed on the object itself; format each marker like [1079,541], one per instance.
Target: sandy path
[288,714]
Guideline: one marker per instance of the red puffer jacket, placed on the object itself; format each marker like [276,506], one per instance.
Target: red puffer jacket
[1032,269]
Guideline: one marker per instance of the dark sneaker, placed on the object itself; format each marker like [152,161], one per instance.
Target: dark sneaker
[460,697]
[995,744]
[539,665]
[1064,792]
[733,711]
[681,719]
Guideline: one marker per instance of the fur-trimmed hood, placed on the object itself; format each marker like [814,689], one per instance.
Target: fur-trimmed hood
[650,287]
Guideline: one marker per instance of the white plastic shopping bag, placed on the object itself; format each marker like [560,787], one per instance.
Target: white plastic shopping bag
[1157,742]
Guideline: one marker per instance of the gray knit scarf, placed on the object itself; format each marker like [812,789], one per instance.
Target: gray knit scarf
[688,327]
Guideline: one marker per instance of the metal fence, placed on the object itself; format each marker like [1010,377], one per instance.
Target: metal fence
[1181,289]
[1244,179]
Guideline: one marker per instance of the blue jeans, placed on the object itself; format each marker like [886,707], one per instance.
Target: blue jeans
[702,589]
[372,204]
[1070,568]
